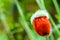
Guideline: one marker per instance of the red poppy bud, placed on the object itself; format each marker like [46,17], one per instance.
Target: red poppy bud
[41,25]
[40,22]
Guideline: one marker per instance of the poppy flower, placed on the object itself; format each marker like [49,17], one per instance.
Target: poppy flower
[40,22]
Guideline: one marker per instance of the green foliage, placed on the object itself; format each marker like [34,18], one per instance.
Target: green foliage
[15,19]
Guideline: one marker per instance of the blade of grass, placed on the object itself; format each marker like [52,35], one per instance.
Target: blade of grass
[41,4]
[23,21]
[56,6]
[3,19]
[54,25]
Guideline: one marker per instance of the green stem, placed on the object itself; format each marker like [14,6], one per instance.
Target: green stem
[56,6]
[41,4]
[23,21]
[47,37]
[54,25]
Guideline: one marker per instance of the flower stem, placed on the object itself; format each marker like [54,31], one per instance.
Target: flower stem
[46,37]
[41,4]
[54,25]
[23,21]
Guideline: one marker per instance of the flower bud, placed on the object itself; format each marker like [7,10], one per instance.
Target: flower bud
[40,22]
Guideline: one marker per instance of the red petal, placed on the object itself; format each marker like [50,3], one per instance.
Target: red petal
[41,25]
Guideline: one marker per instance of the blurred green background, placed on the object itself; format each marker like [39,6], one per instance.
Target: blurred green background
[15,19]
